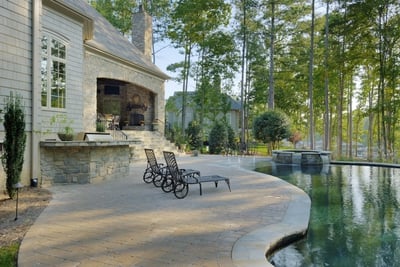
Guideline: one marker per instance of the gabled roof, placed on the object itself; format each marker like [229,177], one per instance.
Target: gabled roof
[109,40]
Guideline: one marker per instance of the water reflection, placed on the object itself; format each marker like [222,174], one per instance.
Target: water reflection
[355,216]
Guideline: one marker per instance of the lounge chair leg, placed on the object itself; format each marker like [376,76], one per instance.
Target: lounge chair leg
[229,184]
[201,192]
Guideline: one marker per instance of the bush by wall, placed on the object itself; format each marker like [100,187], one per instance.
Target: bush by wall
[14,142]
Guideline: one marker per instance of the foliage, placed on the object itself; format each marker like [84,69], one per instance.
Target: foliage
[170,133]
[174,135]
[295,138]
[355,72]
[9,254]
[14,142]
[63,126]
[191,23]
[231,144]
[118,13]
[193,133]
[100,126]
[271,127]
[218,138]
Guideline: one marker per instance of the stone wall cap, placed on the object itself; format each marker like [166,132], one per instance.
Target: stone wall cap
[83,143]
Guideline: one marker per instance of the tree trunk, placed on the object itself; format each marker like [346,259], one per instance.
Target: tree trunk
[242,84]
[271,93]
[186,69]
[370,125]
[326,86]
[310,79]
[350,122]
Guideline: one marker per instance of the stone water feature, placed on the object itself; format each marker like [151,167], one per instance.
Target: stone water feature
[301,157]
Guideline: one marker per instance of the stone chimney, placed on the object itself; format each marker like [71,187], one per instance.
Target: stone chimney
[142,29]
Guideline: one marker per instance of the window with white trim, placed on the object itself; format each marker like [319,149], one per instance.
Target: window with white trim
[53,72]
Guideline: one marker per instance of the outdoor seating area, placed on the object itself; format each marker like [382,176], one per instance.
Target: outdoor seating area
[110,121]
[126,222]
[157,173]
[173,179]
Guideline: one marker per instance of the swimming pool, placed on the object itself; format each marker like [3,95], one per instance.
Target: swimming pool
[355,215]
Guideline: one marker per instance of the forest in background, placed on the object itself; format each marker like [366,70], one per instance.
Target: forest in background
[331,66]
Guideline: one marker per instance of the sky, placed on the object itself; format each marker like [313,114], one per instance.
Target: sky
[167,55]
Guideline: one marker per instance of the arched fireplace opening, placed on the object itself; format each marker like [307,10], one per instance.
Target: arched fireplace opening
[130,105]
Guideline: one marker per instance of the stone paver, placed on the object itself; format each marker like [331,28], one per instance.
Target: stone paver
[126,222]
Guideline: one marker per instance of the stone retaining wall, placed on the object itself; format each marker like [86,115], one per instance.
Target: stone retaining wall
[83,162]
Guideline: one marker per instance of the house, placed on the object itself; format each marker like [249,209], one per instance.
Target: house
[63,58]
[173,112]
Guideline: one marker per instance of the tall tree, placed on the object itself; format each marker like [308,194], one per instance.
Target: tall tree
[191,21]
[327,134]
[310,78]
[117,12]
[271,91]
[215,70]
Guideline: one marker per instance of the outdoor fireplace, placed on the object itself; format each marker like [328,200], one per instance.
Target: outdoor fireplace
[136,119]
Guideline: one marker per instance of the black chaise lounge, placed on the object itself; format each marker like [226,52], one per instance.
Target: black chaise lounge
[158,172]
[155,172]
[181,180]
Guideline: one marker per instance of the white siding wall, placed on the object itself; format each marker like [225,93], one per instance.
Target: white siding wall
[15,68]
[70,32]
[15,53]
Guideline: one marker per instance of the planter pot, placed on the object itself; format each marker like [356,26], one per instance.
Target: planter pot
[65,137]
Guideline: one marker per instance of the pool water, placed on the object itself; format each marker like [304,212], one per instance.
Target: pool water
[355,215]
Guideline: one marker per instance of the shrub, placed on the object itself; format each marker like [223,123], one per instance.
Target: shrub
[231,138]
[218,138]
[14,142]
[271,127]
[193,135]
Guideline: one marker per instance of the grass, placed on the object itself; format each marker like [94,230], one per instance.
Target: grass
[261,149]
[8,255]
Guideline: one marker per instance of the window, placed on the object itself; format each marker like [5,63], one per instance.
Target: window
[53,72]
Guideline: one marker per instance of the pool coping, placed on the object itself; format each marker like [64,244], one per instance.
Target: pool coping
[254,248]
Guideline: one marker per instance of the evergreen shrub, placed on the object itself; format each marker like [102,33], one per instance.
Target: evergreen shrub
[14,142]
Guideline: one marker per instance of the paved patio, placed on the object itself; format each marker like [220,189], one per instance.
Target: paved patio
[126,222]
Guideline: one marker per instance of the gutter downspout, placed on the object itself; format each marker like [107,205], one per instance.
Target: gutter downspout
[35,130]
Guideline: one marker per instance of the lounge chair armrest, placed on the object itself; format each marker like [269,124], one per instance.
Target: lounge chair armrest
[192,175]
[189,171]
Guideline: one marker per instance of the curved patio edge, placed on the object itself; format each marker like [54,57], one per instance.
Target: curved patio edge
[252,249]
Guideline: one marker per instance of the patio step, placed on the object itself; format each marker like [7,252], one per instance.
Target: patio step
[149,139]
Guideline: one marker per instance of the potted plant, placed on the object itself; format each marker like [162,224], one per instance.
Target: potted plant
[67,134]
[100,127]
[63,125]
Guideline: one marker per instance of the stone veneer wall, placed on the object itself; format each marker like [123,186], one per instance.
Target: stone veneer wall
[142,32]
[83,162]
[98,66]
